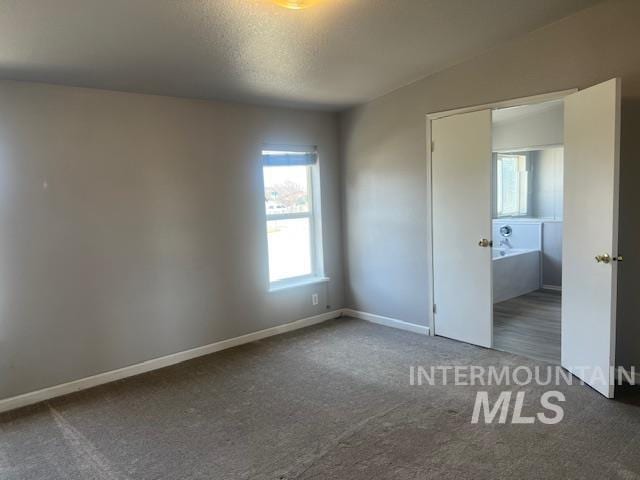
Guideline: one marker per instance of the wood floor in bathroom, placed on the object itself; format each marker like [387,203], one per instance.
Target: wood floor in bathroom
[529,326]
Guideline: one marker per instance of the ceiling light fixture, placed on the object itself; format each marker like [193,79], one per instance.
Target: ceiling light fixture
[295,4]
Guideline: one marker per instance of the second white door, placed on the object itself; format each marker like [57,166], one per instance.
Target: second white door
[590,243]
[461,206]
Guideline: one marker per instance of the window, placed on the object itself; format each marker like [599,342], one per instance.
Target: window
[512,185]
[291,219]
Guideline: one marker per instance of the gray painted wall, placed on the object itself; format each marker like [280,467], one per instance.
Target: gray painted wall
[547,195]
[132,226]
[384,168]
[547,183]
[552,253]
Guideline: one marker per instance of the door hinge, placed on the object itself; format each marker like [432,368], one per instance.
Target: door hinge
[435,309]
[433,147]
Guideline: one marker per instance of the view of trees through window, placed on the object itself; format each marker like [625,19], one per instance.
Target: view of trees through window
[286,189]
[287,196]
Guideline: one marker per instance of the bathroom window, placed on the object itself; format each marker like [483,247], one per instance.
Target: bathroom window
[291,208]
[512,185]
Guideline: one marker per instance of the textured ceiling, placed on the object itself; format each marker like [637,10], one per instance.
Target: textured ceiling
[333,55]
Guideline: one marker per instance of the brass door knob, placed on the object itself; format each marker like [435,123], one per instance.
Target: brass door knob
[485,243]
[603,258]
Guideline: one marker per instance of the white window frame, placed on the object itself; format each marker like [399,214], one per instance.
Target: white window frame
[523,195]
[313,215]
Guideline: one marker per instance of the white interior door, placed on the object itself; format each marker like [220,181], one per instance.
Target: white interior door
[592,132]
[461,200]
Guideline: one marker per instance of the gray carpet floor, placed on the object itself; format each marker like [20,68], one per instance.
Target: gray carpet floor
[328,402]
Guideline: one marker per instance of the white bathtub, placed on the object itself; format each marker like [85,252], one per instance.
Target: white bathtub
[515,272]
[498,253]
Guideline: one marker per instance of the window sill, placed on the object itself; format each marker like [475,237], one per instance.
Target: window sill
[287,284]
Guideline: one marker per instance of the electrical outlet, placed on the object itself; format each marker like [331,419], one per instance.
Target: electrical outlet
[314,299]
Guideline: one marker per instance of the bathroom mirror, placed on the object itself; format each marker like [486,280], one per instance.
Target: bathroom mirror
[528,183]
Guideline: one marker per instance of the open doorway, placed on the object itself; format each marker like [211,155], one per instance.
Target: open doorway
[461,158]
[527,221]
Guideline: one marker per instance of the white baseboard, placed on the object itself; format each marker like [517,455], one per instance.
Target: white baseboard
[156,363]
[555,288]
[386,321]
